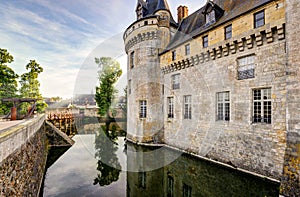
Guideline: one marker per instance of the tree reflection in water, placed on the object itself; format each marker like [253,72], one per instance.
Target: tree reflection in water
[108,164]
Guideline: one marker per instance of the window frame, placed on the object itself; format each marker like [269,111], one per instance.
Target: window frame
[129,86]
[186,190]
[187,49]
[170,104]
[187,107]
[143,109]
[245,67]
[261,106]
[175,81]
[142,179]
[258,19]
[205,41]
[174,55]
[170,186]
[210,17]
[132,58]
[226,32]
[223,106]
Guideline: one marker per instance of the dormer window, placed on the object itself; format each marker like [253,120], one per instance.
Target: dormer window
[212,13]
[210,17]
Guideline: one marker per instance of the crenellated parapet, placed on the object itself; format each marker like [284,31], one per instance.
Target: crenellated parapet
[151,35]
[225,49]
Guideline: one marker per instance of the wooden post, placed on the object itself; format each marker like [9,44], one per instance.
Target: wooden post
[13,112]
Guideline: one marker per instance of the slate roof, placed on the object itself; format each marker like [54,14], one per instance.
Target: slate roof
[194,25]
[152,6]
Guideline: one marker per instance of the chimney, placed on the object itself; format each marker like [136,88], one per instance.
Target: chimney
[182,12]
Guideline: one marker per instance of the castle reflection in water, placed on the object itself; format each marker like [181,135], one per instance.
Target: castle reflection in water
[187,176]
[142,171]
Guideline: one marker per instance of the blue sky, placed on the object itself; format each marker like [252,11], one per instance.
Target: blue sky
[64,36]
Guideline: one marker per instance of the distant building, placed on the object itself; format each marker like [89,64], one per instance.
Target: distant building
[87,100]
[222,82]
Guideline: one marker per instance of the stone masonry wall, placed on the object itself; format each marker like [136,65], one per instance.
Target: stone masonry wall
[144,78]
[290,182]
[257,147]
[21,172]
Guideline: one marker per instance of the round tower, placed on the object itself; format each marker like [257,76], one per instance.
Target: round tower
[144,40]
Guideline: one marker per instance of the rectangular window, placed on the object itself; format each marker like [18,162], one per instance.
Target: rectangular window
[223,106]
[187,100]
[142,179]
[246,67]
[259,19]
[132,59]
[228,32]
[262,105]
[187,190]
[129,86]
[170,107]
[170,189]
[176,81]
[143,109]
[173,55]
[187,49]
[210,17]
[205,41]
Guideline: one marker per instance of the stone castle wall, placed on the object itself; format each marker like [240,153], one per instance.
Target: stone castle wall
[144,76]
[290,182]
[257,147]
[267,149]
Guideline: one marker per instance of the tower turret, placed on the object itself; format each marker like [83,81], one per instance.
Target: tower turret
[144,39]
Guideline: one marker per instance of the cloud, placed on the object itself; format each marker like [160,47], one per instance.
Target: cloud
[59,48]
[63,37]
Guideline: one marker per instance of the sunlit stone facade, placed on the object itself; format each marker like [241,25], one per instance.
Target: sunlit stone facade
[224,85]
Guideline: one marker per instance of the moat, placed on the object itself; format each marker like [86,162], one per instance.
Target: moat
[96,166]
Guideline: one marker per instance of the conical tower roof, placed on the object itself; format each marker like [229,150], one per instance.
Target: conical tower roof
[162,5]
[153,6]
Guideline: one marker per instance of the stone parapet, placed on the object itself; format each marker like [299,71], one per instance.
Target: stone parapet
[23,158]
[227,48]
[12,138]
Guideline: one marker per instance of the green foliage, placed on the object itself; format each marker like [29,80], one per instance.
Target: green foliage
[30,86]
[108,164]
[124,107]
[8,80]
[55,99]
[29,81]
[109,74]
[41,106]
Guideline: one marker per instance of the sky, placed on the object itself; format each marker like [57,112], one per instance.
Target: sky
[65,36]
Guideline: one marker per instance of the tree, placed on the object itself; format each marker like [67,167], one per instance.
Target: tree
[109,74]
[124,107]
[8,80]
[30,86]
[108,163]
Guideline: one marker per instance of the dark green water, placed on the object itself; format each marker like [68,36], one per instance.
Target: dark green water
[96,167]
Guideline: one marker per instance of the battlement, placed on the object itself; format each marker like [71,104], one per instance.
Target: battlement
[228,47]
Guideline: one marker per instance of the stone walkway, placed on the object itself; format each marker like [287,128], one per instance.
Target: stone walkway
[6,124]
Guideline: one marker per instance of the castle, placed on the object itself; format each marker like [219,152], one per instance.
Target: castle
[222,83]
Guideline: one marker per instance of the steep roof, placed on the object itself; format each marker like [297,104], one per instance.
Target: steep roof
[194,25]
[152,6]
